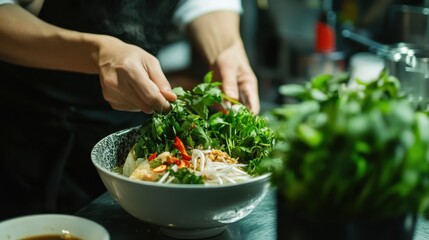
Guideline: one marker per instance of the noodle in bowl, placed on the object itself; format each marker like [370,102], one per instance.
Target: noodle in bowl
[211,167]
[202,210]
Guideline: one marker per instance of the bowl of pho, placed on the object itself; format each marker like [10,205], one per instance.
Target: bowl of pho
[192,170]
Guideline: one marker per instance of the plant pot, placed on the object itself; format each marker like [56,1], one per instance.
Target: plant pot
[293,225]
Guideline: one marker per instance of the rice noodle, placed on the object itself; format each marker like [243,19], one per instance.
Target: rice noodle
[217,172]
[170,179]
[216,168]
[164,177]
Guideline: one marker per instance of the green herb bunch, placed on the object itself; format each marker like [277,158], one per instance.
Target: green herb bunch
[351,152]
[195,121]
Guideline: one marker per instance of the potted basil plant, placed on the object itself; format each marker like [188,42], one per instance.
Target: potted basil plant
[352,163]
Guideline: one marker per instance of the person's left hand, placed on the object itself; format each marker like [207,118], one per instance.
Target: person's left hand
[239,82]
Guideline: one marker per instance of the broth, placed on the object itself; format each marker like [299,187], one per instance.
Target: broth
[52,237]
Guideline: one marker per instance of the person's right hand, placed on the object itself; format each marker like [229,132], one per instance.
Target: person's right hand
[132,79]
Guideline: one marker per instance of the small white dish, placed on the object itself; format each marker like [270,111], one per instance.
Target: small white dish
[52,224]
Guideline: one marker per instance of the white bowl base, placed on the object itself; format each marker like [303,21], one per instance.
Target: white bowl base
[192,233]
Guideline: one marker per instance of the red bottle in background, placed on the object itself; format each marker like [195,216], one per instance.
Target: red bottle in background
[324,34]
[325,58]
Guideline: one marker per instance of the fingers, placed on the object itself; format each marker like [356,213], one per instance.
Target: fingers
[228,76]
[157,76]
[249,93]
[132,79]
[148,92]
[120,97]
[239,83]
[238,80]
[131,89]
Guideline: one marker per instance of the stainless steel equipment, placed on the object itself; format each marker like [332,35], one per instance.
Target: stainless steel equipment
[408,62]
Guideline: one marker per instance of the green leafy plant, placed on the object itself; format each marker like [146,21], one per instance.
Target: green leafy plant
[198,124]
[350,152]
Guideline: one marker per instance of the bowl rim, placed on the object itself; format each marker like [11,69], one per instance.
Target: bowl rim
[257,178]
[40,218]
[47,216]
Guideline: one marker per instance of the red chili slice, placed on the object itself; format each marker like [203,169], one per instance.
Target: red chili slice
[152,157]
[179,145]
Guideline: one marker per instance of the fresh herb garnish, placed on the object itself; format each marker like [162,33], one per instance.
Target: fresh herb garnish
[185,176]
[238,132]
[155,163]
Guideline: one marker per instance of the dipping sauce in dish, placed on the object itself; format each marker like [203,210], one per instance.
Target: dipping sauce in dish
[52,237]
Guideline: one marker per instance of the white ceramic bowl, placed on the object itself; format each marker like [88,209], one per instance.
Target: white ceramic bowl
[184,211]
[51,224]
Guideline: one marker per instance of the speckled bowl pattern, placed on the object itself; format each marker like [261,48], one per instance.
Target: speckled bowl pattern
[176,208]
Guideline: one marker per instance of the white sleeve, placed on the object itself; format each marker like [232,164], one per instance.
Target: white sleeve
[7,1]
[188,10]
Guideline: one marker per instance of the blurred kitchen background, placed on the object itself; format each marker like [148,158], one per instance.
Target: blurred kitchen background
[290,41]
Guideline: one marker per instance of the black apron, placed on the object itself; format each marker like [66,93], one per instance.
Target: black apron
[51,119]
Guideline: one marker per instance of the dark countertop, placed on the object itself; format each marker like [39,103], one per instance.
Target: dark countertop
[260,224]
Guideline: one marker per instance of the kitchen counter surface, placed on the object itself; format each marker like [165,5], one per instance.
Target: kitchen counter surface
[260,224]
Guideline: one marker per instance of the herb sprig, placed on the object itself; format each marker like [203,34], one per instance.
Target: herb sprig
[238,132]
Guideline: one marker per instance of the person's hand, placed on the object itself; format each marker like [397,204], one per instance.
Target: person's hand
[216,34]
[132,79]
[238,80]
